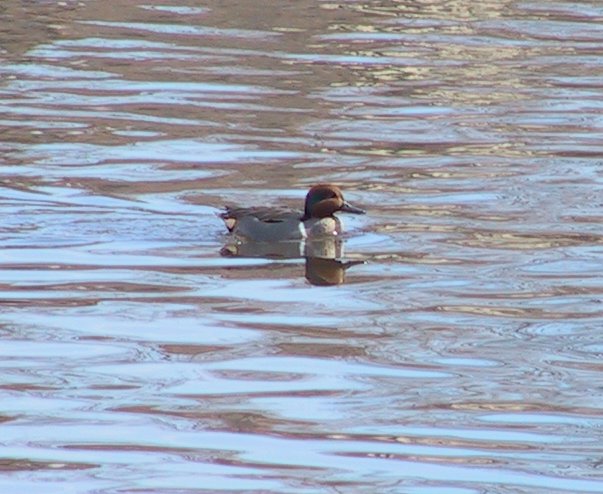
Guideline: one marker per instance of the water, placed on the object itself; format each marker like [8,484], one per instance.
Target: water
[450,345]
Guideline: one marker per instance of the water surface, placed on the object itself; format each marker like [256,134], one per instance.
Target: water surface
[459,353]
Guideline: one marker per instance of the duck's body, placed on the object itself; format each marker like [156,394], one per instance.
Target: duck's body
[274,224]
[266,224]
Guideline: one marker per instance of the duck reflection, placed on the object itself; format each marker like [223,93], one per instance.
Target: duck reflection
[327,272]
[323,267]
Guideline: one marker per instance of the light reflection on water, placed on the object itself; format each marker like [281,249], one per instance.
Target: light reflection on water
[145,351]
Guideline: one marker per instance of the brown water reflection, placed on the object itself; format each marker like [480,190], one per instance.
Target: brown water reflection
[463,356]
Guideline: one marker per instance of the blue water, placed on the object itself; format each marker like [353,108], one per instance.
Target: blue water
[457,352]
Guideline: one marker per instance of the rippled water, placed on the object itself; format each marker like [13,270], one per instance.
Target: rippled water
[452,345]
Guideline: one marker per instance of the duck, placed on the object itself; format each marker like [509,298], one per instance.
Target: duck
[275,224]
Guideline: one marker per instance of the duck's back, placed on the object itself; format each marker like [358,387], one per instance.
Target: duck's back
[263,224]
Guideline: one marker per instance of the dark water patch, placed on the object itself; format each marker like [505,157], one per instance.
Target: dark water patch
[459,353]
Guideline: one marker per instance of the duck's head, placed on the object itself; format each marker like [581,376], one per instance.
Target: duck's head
[324,200]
